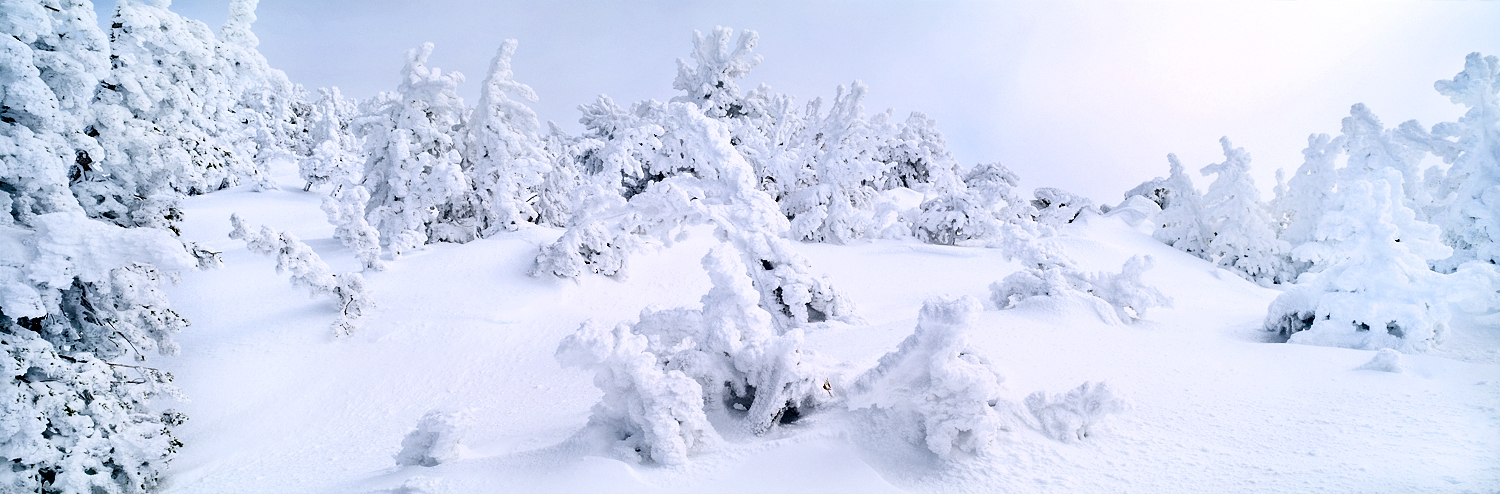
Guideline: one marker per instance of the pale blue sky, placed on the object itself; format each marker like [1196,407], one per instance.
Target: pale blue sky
[1086,96]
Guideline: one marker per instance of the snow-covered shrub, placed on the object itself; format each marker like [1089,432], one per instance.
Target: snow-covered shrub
[308,270]
[665,375]
[1068,417]
[1115,298]
[436,439]
[1469,192]
[917,157]
[418,191]
[1057,207]
[1371,287]
[345,207]
[721,191]
[1244,238]
[1180,223]
[504,154]
[983,209]
[936,379]
[843,149]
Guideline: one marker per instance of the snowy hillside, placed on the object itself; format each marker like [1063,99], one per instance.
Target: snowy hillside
[213,281]
[279,405]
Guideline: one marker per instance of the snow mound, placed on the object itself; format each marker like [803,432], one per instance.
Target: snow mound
[436,438]
[1386,360]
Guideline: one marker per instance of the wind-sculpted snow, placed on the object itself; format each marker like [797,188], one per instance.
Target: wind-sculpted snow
[437,438]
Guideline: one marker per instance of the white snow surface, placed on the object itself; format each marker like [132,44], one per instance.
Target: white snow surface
[278,404]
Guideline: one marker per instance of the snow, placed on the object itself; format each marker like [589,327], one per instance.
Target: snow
[277,404]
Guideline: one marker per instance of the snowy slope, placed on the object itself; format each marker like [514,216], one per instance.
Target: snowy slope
[277,404]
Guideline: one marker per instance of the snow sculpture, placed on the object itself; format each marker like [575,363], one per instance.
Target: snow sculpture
[1371,287]
[721,191]
[308,270]
[667,374]
[505,156]
[936,379]
[1070,417]
[436,439]
[1115,298]
[1244,239]
[413,154]
[1470,190]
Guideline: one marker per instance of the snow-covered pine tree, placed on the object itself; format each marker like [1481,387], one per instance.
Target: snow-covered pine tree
[334,153]
[505,155]
[1371,148]
[1244,239]
[710,82]
[917,158]
[76,294]
[274,111]
[1469,192]
[1309,191]
[309,271]
[1370,286]
[667,375]
[166,110]
[413,154]
[1181,219]
[1056,207]
[982,210]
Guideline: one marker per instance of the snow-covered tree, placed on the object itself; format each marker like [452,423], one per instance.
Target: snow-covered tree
[78,292]
[843,148]
[1115,298]
[1244,238]
[1469,191]
[345,207]
[169,104]
[981,210]
[413,156]
[1309,190]
[668,377]
[1370,286]
[1372,148]
[506,157]
[334,154]
[710,82]
[274,111]
[607,230]
[917,157]
[1180,223]
[1056,207]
